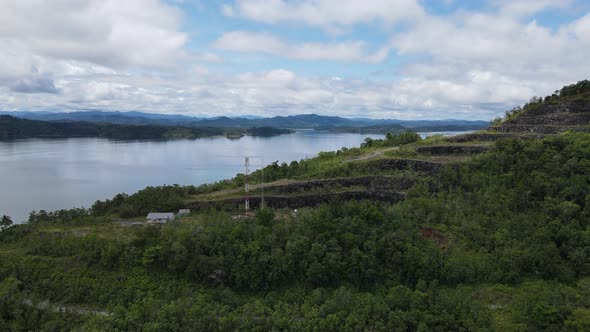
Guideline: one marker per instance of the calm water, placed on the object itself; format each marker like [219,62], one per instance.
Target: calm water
[57,174]
[425,134]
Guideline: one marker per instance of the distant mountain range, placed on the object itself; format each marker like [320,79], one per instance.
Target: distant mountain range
[107,117]
[303,121]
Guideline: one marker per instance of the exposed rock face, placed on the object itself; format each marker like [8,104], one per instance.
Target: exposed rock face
[297,195]
[313,200]
[452,149]
[550,118]
[300,201]
[486,137]
[372,183]
[404,164]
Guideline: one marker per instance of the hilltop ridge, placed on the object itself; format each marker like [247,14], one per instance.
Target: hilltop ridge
[566,109]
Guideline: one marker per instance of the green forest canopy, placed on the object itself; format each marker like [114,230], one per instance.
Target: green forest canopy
[498,243]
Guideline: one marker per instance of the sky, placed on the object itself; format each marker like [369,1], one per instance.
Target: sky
[393,59]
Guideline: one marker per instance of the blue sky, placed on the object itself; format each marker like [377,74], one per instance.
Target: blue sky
[407,59]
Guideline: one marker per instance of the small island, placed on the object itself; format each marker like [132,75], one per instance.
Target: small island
[12,128]
[234,136]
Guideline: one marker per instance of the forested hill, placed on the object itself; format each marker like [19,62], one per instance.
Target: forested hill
[15,128]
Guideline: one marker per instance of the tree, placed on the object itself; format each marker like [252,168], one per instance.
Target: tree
[5,221]
[496,122]
[368,143]
[265,216]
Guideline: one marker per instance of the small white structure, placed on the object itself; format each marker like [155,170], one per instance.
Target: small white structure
[184,212]
[159,217]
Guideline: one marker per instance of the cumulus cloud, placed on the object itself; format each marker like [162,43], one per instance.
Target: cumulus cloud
[244,41]
[33,84]
[520,8]
[267,93]
[580,29]
[105,32]
[468,62]
[116,55]
[497,54]
[486,38]
[45,40]
[326,13]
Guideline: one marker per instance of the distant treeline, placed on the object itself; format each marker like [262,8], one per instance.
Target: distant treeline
[16,128]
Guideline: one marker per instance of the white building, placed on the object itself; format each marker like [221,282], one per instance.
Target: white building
[184,212]
[160,217]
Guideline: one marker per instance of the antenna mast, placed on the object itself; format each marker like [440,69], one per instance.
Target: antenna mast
[247,186]
[262,185]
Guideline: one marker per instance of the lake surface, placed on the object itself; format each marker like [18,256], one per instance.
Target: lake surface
[425,134]
[61,174]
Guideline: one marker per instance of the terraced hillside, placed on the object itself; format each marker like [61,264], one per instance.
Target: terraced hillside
[567,109]
[378,173]
[551,118]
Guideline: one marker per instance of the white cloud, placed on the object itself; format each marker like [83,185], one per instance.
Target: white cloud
[244,41]
[496,60]
[114,55]
[60,47]
[275,92]
[45,40]
[523,8]
[468,62]
[105,32]
[326,13]
[483,37]
[204,57]
[580,29]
